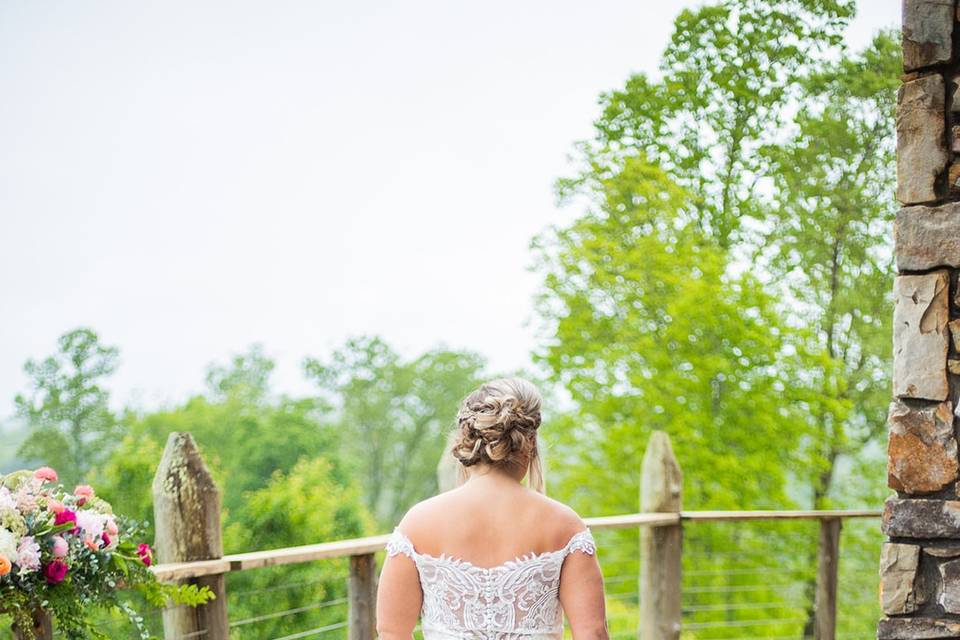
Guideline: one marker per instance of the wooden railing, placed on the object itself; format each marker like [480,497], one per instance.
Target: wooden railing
[660,559]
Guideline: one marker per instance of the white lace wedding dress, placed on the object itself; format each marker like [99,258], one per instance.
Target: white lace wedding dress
[516,600]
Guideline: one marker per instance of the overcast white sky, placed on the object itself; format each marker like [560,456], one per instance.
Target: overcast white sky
[189,178]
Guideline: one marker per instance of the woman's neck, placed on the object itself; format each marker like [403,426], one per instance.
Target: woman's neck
[488,474]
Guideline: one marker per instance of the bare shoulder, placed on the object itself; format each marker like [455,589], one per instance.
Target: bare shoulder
[423,516]
[434,522]
[560,518]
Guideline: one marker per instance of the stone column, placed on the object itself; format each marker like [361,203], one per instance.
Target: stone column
[920,562]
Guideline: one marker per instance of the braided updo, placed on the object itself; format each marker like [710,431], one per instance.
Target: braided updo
[497,425]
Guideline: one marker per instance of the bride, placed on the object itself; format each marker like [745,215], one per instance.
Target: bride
[492,558]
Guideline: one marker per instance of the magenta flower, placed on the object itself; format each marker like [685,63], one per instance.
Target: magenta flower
[55,571]
[64,517]
[106,539]
[145,553]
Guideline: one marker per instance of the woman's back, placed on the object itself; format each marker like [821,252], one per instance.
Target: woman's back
[491,559]
[490,520]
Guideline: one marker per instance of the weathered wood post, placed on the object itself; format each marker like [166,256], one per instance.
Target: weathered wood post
[186,507]
[661,488]
[42,628]
[362,590]
[920,563]
[828,565]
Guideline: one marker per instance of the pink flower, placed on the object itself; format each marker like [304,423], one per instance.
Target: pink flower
[145,553]
[26,500]
[55,571]
[28,555]
[83,491]
[60,547]
[111,526]
[46,474]
[64,517]
[55,506]
[91,544]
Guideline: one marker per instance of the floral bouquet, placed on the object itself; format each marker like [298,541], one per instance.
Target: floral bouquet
[63,553]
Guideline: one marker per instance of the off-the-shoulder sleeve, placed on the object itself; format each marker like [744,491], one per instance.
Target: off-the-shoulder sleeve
[581,541]
[399,543]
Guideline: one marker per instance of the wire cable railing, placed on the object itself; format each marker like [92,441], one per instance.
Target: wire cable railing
[744,576]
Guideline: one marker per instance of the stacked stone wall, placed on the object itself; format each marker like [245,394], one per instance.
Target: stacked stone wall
[920,562]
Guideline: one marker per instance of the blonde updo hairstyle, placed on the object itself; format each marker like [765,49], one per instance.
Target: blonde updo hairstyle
[497,425]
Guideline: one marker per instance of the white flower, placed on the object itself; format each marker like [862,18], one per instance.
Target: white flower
[8,545]
[91,522]
[7,501]
[28,555]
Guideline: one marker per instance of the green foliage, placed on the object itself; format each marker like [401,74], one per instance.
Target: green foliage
[71,426]
[285,482]
[126,477]
[826,246]
[393,415]
[99,571]
[246,435]
[651,332]
[764,143]
[304,506]
[246,378]
[728,74]
[307,505]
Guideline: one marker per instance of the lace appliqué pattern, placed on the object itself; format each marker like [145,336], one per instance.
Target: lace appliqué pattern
[516,600]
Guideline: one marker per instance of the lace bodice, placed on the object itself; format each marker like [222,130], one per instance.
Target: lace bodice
[516,600]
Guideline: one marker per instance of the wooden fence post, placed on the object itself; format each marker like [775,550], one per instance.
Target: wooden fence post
[363,597]
[186,507]
[828,564]
[42,628]
[661,487]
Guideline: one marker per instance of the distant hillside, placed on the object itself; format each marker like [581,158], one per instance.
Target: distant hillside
[12,433]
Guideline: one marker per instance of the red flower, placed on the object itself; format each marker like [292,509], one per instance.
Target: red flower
[64,517]
[145,553]
[55,571]
[106,539]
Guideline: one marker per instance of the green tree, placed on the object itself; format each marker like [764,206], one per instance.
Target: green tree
[246,434]
[826,246]
[393,415]
[66,408]
[278,462]
[247,377]
[306,505]
[759,118]
[729,73]
[649,331]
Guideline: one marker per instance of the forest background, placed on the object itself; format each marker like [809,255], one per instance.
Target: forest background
[726,279]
